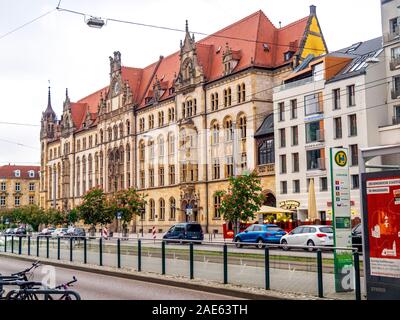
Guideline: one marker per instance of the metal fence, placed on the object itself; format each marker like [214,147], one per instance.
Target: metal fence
[298,271]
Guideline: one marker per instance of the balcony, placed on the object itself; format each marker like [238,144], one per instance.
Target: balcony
[396,93]
[317,136]
[393,35]
[396,120]
[293,84]
[395,63]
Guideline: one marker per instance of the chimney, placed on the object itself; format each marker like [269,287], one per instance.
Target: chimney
[313,10]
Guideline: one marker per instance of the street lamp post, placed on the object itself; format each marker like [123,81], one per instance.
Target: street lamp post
[142,211]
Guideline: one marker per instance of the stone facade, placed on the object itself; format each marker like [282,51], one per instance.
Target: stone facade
[175,130]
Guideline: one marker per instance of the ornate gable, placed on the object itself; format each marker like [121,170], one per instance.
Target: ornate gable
[230,59]
[190,71]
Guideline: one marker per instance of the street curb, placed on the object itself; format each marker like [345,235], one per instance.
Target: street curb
[158,280]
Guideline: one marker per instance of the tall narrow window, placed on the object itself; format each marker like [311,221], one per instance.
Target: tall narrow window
[293,109]
[217,205]
[352,125]
[337,123]
[336,99]
[351,95]
[172,209]
[295,135]
[282,138]
[152,207]
[281,107]
[295,162]
[283,163]
[162,209]
[243,127]
[216,169]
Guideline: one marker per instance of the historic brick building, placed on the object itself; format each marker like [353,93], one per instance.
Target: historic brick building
[19,186]
[178,128]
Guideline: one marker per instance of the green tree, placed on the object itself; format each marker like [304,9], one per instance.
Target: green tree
[32,215]
[128,203]
[72,216]
[242,199]
[94,208]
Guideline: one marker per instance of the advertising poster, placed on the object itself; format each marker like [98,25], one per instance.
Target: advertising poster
[383,197]
[341,209]
[381,218]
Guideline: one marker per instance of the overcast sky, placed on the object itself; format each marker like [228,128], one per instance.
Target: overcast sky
[61,48]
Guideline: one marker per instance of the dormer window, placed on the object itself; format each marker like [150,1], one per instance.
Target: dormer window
[288,55]
[230,59]
[31,173]
[17,173]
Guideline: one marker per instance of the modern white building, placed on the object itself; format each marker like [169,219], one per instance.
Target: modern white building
[335,100]
[390,132]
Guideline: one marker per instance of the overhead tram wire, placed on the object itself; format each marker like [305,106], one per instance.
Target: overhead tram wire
[19,124]
[18,144]
[193,32]
[27,23]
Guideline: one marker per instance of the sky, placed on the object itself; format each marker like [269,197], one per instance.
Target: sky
[62,49]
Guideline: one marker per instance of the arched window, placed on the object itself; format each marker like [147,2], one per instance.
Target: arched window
[109,134]
[90,169]
[152,208]
[243,92]
[242,126]
[239,93]
[128,127]
[128,154]
[141,124]
[121,130]
[160,142]
[160,118]
[214,133]
[171,143]
[115,132]
[83,174]
[142,151]
[151,150]
[228,129]
[227,97]
[101,164]
[101,135]
[172,209]
[151,121]
[212,102]
[162,209]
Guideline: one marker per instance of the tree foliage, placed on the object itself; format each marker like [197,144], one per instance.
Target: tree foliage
[242,199]
[95,208]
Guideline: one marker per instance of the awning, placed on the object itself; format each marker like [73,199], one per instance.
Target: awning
[271,210]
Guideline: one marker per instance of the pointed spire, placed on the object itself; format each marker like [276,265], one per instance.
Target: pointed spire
[49,113]
[187,26]
[49,100]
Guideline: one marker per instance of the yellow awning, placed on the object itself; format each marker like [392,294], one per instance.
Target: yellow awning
[272,210]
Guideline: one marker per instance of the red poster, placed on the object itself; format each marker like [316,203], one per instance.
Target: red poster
[383,197]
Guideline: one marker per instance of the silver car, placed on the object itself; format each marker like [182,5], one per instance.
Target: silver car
[310,236]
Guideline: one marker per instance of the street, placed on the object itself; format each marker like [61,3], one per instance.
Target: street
[93,286]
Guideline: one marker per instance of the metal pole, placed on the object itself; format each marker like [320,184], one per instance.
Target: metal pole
[191,260]
[12,244]
[266,266]
[37,245]
[20,245]
[29,245]
[225,264]
[163,257]
[357,275]
[5,243]
[84,250]
[58,248]
[119,252]
[139,255]
[101,251]
[320,279]
[47,247]
[71,248]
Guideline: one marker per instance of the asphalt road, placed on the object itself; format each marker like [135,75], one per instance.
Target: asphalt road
[92,286]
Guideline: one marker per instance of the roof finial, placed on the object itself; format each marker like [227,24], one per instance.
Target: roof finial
[313,10]
[66,92]
[187,26]
[49,97]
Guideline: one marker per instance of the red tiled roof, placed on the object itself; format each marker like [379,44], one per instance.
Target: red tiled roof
[8,172]
[246,39]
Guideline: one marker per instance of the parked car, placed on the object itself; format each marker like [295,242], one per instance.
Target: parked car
[185,231]
[59,232]
[356,237]
[259,234]
[9,232]
[76,232]
[20,231]
[310,236]
[47,231]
